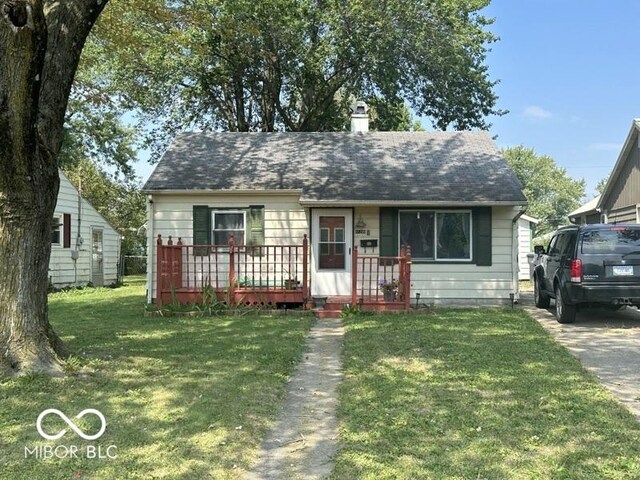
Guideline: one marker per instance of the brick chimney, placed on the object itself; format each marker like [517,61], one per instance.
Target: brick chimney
[359,117]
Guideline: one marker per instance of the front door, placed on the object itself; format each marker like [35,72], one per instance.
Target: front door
[97,264]
[331,252]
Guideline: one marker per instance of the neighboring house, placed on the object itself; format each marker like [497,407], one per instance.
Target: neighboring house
[84,247]
[587,213]
[525,227]
[620,199]
[450,196]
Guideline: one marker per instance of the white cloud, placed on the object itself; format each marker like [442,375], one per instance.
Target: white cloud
[605,147]
[537,112]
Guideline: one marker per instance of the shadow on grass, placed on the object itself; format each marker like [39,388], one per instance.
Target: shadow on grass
[183,398]
[475,394]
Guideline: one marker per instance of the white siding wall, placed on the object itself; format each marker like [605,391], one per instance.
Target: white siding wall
[524,247]
[468,283]
[371,217]
[285,220]
[63,270]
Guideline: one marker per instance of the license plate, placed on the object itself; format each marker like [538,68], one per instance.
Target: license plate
[623,270]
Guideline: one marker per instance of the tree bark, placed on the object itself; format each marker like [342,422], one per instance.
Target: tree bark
[40,46]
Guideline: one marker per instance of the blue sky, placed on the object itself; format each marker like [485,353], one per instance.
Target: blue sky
[568,74]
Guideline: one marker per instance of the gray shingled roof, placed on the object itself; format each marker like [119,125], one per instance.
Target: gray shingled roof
[342,166]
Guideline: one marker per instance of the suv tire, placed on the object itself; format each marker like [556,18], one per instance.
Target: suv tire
[541,299]
[564,313]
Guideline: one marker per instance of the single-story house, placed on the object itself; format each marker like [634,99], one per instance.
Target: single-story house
[85,248]
[620,199]
[525,247]
[361,199]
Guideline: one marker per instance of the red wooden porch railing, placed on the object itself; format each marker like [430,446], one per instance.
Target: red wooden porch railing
[377,279]
[237,273]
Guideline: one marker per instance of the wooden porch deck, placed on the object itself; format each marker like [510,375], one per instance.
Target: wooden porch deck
[273,274]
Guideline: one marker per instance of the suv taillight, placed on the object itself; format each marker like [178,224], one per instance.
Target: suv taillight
[575,268]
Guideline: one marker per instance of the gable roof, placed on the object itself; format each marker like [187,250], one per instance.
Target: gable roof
[69,184]
[587,208]
[631,140]
[326,167]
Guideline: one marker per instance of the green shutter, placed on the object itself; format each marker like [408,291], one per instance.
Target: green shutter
[389,232]
[201,229]
[482,236]
[255,228]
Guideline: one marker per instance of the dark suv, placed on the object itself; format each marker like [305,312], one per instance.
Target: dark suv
[589,265]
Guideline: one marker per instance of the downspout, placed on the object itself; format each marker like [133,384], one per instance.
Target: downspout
[515,282]
[150,249]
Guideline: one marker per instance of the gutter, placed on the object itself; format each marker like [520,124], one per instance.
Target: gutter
[409,203]
[515,264]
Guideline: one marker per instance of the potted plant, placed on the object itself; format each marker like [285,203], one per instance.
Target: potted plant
[389,289]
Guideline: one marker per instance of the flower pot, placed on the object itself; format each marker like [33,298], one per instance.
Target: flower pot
[389,296]
[319,302]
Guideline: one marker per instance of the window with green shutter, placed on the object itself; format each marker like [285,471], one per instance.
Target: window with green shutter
[482,236]
[201,229]
[255,229]
[215,225]
[388,232]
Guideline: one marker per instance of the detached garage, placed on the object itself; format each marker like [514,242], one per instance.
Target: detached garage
[85,248]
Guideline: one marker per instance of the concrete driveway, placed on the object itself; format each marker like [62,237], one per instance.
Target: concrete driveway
[606,343]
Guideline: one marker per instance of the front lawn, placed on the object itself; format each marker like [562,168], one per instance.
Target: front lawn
[183,397]
[475,394]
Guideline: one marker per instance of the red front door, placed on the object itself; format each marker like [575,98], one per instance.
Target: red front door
[332,243]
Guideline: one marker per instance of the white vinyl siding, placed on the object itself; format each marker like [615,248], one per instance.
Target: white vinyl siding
[524,247]
[467,283]
[63,270]
[286,222]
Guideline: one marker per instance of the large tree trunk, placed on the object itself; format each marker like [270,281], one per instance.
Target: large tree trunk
[40,46]
[27,341]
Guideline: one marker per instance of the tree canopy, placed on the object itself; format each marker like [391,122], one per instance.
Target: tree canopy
[293,64]
[551,193]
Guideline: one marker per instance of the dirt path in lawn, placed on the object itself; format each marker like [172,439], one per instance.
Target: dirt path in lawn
[303,441]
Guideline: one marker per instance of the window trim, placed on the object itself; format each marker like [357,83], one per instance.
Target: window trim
[213,213]
[60,219]
[435,258]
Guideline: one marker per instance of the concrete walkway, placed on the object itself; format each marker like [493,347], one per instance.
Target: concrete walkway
[303,441]
[606,343]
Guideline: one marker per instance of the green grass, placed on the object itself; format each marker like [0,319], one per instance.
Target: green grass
[174,391]
[475,394]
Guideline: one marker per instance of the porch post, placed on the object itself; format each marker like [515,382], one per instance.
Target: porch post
[232,269]
[407,279]
[354,277]
[159,271]
[305,268]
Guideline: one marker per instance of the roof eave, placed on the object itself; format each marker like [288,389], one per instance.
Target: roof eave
[205,191]
[411,203]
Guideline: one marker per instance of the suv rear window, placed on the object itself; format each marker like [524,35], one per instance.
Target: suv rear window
[611,240]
